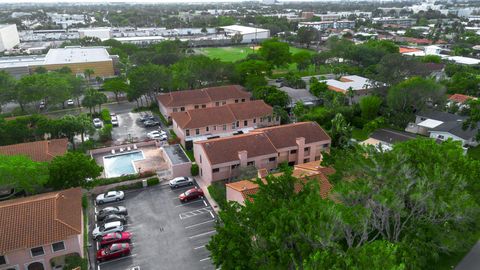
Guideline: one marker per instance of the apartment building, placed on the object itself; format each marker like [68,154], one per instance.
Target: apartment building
[265,148]
[38,232]
[325,25]
[181,101]
[222,121]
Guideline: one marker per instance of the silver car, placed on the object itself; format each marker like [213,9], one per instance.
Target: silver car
[110,227]
[180,182]
[111,196]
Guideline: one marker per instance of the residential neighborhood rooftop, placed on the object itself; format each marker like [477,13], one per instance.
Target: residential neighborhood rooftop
[204,95]
[38,151]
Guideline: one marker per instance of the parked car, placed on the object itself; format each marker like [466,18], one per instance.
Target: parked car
[116,237]
[156,135]
[114,122]
[111,196]
[113,251]
[180,182]
[107,228]
[70,102]
[191,194]
[97,122]
[146,117]
[111,210]
[113,217]
[151,123]
[42,105]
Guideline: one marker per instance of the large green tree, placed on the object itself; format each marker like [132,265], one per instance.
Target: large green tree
[271,95]
[72,170]
[23,174]
[115,85]
[275,52]
[370,106]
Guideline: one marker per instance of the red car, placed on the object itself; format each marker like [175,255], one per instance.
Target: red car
[191,194]
[116,237]
[113,251]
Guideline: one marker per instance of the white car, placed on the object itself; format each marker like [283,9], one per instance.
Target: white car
[97,122]
[111,196]
[114,122]
[110,227]
[157,135]
[70,102]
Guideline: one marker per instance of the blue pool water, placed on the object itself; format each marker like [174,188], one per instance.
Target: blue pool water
[121,164]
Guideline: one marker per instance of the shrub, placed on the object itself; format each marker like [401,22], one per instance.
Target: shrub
[129,186]
[153,181]
[194,170]
[218,193]
[74,261]
[105,114]
[84,201]
[106,133]
[123,178]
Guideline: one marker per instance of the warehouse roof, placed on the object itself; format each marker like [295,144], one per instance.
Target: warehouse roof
[244,29]
[76,54]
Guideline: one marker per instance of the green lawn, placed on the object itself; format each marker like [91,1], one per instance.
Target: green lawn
[235,53]
[474,152]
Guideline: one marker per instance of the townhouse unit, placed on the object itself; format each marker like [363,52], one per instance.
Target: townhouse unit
[265,148]
[38,232]
[181,101]
[243,190]
[222,121]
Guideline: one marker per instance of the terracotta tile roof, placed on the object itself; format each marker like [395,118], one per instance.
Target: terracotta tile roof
[460,98]
[40,151]
[227,114]
[226,149]
[248,187]
[407,50]
[262,141]
[41,219]
[202,96]
[286,135]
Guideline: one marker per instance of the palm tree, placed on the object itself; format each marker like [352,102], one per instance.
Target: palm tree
[88,73]
[350,95]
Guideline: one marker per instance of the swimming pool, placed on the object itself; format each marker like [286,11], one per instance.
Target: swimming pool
[121,164]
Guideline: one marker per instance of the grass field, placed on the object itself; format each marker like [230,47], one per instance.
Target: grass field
[232,54]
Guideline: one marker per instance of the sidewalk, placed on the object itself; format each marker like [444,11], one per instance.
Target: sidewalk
[212,202]
[472,260]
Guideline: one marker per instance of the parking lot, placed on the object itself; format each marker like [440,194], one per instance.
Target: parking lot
[131,128]
[166,234]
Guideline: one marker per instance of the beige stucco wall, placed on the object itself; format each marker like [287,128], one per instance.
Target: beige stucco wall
[101,69]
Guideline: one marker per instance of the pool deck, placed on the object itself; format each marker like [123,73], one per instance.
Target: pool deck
[153,159]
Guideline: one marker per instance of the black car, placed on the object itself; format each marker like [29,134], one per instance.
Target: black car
[111,210]
[151,123]
[115,217]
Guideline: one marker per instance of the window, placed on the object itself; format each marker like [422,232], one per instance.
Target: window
[214,127]
[201,172]
[204,106]
[197,131]
[261,119]
[207,129]
[306,160]
[325,145]
[251,163]
[238,123]
[59,246]
[272,159]
[293,151]
[441,137]
[182,109]
[38,251]
[243,100]
[306,149]
[187,132]
[233,125]
[277,118]
[217,103]
[215,170]
[236,100]
[245,123]
[224,127]
[269,119]
[3,260]
[235,166]
[200,158]
[254,120]
[224,102]
[196,106]
[175,110]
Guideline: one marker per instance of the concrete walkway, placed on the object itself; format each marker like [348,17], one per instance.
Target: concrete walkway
[204,187]
[472,260]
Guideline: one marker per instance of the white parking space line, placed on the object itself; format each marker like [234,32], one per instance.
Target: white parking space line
[198,224]
[199,247]
[192,213]
[211,214]
[201,234]
[118,259]
[185,204]
[204,202]
[204,259]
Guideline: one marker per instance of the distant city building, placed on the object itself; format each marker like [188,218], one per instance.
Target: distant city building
[103,33]
[325,25]
[395,22]
[269,2]
[8,37]
[307,15]
[249,34]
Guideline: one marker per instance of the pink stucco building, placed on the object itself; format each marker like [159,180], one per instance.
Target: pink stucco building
[222,121]
[265,148]
[180,101]
[37,232]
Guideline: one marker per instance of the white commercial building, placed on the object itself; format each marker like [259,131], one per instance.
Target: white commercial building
[8,37]
[249,34]
[103,33]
